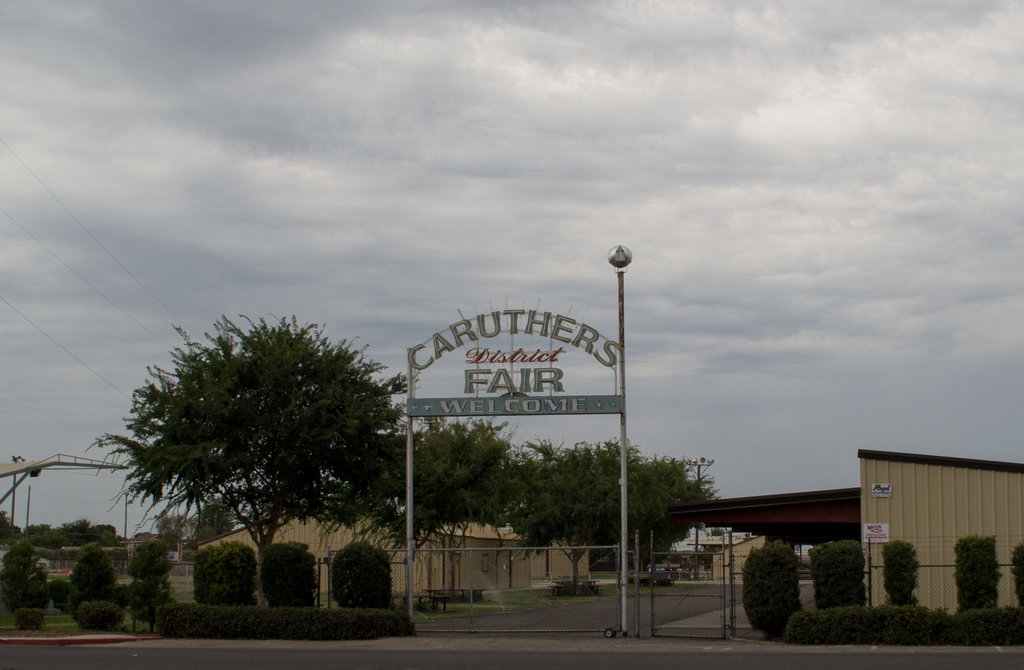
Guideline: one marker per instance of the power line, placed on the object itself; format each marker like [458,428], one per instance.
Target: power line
[65,349]
[84,280]
[89,233]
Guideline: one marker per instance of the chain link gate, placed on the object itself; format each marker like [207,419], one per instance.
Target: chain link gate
[693,593]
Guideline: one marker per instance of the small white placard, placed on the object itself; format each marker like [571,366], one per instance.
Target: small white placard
[876,532]
[881,490]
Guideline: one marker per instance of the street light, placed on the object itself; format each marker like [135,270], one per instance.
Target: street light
[620,257]
[699,465]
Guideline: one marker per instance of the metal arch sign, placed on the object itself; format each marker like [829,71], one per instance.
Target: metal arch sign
[538,374]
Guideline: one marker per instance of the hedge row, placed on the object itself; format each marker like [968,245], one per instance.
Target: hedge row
[907,625]
[189,620]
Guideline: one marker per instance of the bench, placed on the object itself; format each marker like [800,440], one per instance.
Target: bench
[584,587]
[435,597]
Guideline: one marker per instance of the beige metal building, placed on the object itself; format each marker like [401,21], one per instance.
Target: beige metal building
[487,560]
[931,502]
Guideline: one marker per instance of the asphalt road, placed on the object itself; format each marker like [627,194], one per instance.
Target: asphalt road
[476,652]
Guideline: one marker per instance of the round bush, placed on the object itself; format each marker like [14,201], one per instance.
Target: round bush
[361,577]
[28,618]
[99,615]
[771,587]
[225,574]
[837,569]
[288,575]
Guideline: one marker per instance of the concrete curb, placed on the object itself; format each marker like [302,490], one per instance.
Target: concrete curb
[73,640]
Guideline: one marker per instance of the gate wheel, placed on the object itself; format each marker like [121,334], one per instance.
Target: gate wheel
[609,632]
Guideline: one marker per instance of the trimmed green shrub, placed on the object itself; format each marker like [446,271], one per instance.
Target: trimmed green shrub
[899,573]
[99,615]
[771,587]
[288,575]
[190,620]
[225,574]
[361,577]
[151,586]
[28,618]
[93,577]
[23,581]
[977,572]
[1018,572]
[907,625]
[987,627]
[58,590]
[837,569]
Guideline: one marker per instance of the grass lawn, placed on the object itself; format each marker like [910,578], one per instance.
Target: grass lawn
[61,621]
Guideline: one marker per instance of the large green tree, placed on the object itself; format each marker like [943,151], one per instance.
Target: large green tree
[461,477]
[82,531]
[570,496]
[22,581]
[8,533]
[44,535]
[273,420]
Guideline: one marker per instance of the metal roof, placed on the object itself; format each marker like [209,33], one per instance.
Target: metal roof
[58,461]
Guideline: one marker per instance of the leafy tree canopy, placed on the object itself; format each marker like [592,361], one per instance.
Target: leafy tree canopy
[44,535]
[571,494]
[273,420]
[82,531]
[462,476]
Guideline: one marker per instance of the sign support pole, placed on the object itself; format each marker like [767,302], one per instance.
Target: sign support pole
[410,535]
[620,257]
[623,470]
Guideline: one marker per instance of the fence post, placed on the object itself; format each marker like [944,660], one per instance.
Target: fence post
[636,582]
[732,586]
[472,568]
[650,576]
[871,590]
[620,598]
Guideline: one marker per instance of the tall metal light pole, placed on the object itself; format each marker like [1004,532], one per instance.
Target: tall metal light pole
[620,257]
[699,465]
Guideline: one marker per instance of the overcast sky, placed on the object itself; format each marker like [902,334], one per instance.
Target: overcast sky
[824,203]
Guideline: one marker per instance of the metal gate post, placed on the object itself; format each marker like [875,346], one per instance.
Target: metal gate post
[650,576]
[472,568]
[722,599]
[636,583]
[732,587]
[620,597]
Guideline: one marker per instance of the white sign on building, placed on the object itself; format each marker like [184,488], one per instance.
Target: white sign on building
[876,532]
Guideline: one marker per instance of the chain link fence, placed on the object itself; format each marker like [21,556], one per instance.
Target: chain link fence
[936,575]
[511,589]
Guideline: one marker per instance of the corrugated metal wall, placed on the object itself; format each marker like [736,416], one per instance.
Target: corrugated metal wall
[932,506]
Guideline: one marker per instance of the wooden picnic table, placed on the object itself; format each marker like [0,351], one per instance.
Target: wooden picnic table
[443,595]
[584,587]
[436,596]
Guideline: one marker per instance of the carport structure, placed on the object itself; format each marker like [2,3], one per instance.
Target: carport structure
[809,517]
[19,469]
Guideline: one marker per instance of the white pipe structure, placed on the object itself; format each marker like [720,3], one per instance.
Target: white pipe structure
[620,257]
